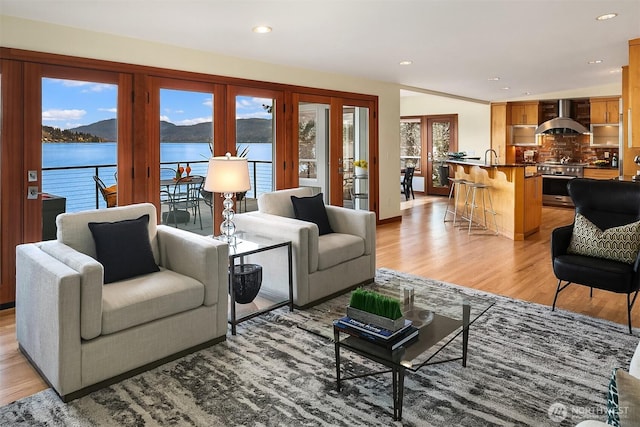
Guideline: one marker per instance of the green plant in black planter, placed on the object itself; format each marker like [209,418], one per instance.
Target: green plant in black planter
[375,303]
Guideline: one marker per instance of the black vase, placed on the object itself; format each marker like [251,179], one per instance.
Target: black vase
[247,279]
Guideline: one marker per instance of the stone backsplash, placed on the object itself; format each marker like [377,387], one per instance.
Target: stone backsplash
[575,147]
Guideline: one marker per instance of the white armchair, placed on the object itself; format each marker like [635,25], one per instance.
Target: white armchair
[323,265]
[82,334]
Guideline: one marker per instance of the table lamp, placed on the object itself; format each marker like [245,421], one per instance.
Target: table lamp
[227,175]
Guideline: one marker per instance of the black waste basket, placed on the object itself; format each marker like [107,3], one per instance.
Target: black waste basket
[247,279]
[52,206]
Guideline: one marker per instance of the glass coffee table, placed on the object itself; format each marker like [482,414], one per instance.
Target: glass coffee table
[440,318]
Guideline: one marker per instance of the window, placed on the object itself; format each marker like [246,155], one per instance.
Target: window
[79,141]
[411,143]
[255,129]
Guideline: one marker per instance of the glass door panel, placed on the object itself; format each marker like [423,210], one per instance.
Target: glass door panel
[313,146]
[255,135]
[186,144]
[79,146]
[411,144]
[355,157]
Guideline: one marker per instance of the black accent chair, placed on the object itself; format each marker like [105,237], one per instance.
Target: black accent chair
[606,203]
[407,183]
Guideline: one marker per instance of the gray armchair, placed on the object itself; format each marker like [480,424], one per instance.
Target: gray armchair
[82,334]
[323,265]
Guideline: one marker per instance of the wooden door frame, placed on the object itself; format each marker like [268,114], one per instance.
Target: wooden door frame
[427,147]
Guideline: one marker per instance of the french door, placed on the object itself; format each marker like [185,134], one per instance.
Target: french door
[78,138]
[441,138]
[333,134]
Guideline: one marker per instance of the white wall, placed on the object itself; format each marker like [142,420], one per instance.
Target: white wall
[30,35]
[474,118]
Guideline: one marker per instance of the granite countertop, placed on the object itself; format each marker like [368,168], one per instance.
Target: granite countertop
[480,163]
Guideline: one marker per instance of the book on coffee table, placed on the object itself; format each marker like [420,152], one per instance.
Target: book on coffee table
[376,331]
[405,336]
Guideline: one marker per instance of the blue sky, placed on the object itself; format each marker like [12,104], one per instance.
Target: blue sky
[67,104]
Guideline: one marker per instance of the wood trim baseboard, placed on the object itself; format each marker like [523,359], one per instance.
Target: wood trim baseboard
[390,220]
[7,305]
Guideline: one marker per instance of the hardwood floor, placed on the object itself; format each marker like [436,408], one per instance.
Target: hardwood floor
[423,245]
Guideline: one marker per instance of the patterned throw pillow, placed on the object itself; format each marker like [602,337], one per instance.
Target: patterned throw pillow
[616,243]
[613,407]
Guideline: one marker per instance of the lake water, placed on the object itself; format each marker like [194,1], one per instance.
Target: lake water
[89,154]
[78,187]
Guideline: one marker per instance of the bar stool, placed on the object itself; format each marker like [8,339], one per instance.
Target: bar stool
[483,190]
[456,187]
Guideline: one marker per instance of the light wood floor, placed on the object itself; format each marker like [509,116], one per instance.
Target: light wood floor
[423,245]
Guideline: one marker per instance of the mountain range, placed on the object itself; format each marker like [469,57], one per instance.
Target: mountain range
[247,130]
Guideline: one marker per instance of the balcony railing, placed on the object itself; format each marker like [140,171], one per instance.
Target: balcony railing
[76,183]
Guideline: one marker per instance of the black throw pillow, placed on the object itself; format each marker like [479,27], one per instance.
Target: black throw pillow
[312,209]
[123,248]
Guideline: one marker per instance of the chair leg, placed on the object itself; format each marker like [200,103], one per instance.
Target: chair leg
[591,292]
[630,303]
[555,298]
[558,289]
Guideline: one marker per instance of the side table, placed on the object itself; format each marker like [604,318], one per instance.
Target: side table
[249,244]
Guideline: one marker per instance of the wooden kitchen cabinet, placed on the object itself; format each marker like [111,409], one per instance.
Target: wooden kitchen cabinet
[532,204]
[525,113]
[605,110]
[499,130]
[633,93]
[603,173]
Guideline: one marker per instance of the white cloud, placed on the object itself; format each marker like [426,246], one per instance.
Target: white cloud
[194,121]
[208,102]
[263,115]
[90,86]
[70,83]
[165,119]
[108,110]
[252,107]
[60,115]
[99,87]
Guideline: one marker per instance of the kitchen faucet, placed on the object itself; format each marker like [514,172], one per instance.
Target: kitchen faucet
[495,157]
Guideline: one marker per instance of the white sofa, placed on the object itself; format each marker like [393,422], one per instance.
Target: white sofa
[634,370]
[82,334]
[323,266]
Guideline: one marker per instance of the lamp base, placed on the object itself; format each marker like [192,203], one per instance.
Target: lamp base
[228,228]
[230,240]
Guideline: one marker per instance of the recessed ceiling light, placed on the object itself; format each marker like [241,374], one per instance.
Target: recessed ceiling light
[505,88]
[595,61]
[406,62]
[617,70]
[526,93]
[493,79]
[262,29]
[606,16]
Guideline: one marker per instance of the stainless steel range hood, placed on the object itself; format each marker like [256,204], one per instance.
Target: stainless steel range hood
[563,124]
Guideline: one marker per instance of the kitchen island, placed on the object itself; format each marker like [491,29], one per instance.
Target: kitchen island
[516,193]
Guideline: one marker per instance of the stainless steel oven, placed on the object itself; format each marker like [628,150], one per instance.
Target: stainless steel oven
[555,178]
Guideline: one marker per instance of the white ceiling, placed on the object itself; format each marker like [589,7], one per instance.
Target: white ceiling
[536,46]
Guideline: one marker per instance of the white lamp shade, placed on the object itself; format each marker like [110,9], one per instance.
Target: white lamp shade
[227,175]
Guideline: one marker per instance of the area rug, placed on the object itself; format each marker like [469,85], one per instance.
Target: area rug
[527,366]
